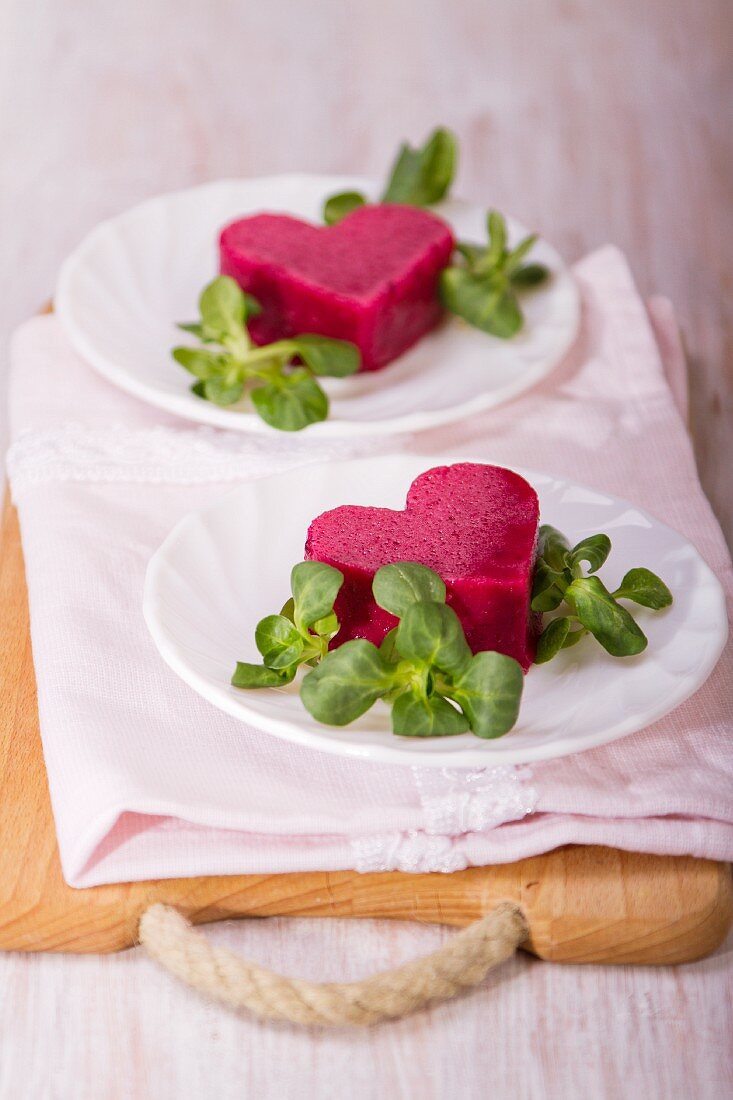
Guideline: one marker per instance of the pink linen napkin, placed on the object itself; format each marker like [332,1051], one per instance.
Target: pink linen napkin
[147,780]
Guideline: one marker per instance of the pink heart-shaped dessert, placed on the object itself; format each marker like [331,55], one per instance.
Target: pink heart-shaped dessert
[371,279]
[475,525]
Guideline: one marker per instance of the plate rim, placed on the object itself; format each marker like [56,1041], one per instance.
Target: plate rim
[249,423]
[485,754]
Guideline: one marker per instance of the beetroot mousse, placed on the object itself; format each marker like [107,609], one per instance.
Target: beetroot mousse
[474,525]
[371,279]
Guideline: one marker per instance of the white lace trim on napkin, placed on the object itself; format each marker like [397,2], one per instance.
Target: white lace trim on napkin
[414,852]
[155,456]
[455,801]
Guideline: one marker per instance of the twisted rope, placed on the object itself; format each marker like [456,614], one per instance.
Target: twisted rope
[460,964]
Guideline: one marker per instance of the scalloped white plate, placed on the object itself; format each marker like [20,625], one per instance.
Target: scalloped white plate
[222,569]
[121,292]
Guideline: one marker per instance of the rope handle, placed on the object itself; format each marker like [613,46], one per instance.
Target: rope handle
[460,964]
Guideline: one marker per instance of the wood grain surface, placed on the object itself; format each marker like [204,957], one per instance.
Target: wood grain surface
[592,122]
[581,904]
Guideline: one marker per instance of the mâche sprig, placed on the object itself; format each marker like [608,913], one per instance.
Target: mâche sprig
[561,582]
[286,395]
[424,668]
[300,633]
[484,284]
[484,287]
[419,177]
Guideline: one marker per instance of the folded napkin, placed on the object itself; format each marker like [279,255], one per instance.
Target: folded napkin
[148,780]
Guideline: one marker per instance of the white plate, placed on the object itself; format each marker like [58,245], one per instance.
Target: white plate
[224,568]
[122,291]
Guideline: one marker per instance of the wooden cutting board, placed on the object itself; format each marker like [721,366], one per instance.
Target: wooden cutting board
[583,904]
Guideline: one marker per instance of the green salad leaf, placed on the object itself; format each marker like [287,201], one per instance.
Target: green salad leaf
[431,634]
[424,669]
[291,401]
[600,614]
[338,206]
[422,176]
[645,588]
[279,378]
[415,714]
[397,587]
[315,587]
[552,639]
[489,691]
[418,177]
[587,606]
[484,287]
[248,675]
[346,683]
[300,634]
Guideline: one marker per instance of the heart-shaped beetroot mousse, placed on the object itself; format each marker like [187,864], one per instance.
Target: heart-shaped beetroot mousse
[474,525]
[371,279]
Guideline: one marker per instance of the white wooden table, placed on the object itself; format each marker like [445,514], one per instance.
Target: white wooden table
[591,122]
